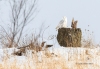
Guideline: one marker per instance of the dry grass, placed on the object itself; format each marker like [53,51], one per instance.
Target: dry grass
[78,59]
[55,62]
[88,39]
[48,62]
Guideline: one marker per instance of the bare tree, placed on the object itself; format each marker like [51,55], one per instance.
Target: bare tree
[22,13]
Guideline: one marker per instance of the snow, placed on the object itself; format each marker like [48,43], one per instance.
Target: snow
[73,56]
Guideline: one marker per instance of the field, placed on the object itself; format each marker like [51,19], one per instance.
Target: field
[25,25]
[57,58]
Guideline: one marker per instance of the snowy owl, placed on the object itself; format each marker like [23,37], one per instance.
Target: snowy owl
[62,23]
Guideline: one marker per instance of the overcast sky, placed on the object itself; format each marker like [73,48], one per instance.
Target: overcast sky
[87,12]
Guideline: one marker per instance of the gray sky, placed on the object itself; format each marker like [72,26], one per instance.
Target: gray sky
[87,12]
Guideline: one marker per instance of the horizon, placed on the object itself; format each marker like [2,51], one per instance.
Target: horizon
[51,12]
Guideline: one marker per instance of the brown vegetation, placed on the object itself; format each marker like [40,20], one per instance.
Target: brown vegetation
[74,24]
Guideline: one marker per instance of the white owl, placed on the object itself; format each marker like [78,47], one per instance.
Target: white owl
[62,23]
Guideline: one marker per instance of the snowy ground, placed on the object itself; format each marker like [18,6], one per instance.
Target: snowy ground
[73,58]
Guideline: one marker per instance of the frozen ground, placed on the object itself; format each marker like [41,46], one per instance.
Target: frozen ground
[73,58]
